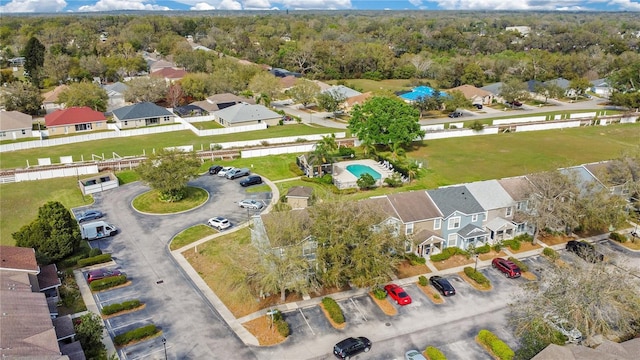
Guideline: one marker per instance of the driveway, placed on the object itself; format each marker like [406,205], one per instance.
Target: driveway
[192,328]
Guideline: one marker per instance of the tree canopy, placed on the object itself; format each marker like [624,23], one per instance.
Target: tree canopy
[168,171]
[34,53]
[304,92]
[84,94]
[23,97]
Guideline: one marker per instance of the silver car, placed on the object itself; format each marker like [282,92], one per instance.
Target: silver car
[572,334]
[414,355]
[251,204]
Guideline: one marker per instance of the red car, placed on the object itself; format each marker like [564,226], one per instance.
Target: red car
[509,269]
[398,294]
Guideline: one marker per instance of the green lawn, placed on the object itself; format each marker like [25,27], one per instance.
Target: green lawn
[149,202]
[206,125]
[190,235]
[374,86]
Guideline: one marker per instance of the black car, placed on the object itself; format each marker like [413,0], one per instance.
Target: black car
[348,347]
[584,250]
[251,180]
[478,106]
[215,169]
[442,285]
[455,114]
[90,215]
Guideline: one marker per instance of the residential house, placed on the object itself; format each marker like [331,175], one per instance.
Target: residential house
[169,74]
[519,189]
[499,209]
[607,350]
[222,101]
[115,92]
[15,125]
[584,179]
[247,114]
[494,88]
[49,103]
[602,88]
[463,217]
[277,232]
[603,171]
[349,103]
[74,120]
[284,72]
[476,95]
[421,221]
[564,84]
[298,197]
[342,91]
[533,85]
[522,30]
[49,284]
[155,65]
[141,115]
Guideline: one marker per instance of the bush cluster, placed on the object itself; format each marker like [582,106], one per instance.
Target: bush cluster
[497,346]
[334,310]
[523,267]
[524,237]
[415,259]
[618,237]
[434,353]
[135,334]
[95,252]
[115,308]
[497,247]
[476,276]
[107,283]
[293,167]
[550,253]
[94,260]
[422,280]
[379,293]
[447,253]
[281,325]
[483,249]
[513,244]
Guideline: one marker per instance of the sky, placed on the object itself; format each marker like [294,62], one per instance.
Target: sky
[62,6]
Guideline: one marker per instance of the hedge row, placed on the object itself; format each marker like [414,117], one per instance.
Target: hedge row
[114,308]
[524,237]
[476,276]
[434,353]
[523,267]
[483,249]
[99,259]
[379,293]
[513,244]
[550,253]
[618,237]
[332,307]
[447,253]
[497,346]
[109,282]
[135,334]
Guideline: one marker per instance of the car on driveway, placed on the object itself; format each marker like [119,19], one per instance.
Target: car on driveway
[398,294]
[213,170]
[251,204]
[349,347]
[99,274]
[572,334]
[584,250]
[414,355]
[90,215]
[478,106]
[455,114]
[509,268]
[236,173]
[224,170]
[442,285]
[251,180]
[219,223]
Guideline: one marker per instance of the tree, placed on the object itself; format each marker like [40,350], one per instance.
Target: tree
[168,171]
[323,152]
[366,181]
[473,75]
[57,67]
[54,234]
[629,100]
[456,100]
[198,86]
[22,97]
[264,83]
[304,92]
[34,60]
[580,86]
[548,90]
[624,172]
[143,89]
[175,95]
[84,94]
[89,330]
[331,100]
[385,121]
[513,89]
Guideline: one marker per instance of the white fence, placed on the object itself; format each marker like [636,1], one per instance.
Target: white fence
[628,119]
[276,150]
[548,126]
[436,127]
[281,140]
[519,120]
[56,173]
[203,118]
[231,130]
[459,133]
[582,115]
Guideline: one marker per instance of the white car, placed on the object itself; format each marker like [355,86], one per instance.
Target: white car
[224,170]
[572,334]
[251,204]
[219,223]
[414,355]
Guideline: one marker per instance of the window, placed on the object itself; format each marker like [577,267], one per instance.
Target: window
[474,218]
[407,246]
[3,134]
[83,127]
[437,223]
[125,123]
[452,240]
[509,211]
[454,223]
[167,118]
[409,229]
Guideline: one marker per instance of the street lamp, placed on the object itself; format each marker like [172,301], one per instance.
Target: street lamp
[164,344]
[476,265]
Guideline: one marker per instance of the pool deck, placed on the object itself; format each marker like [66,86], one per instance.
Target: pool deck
[344,179]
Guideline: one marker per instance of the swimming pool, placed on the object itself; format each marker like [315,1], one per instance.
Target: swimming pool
[358,169]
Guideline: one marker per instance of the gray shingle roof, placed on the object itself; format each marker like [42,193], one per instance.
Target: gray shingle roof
[414,206]
[342,90]
[141,111]
[494,88]
[245,112]
[490,194]
[14,120]
[561,82]
[455,198]
[117,87]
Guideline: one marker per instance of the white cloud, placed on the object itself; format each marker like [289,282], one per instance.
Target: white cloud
[229,5]
[530,4]
[416,3]
[625,4]
[109,5]
[257,4]
[16,6]
[201,6]
[316,4]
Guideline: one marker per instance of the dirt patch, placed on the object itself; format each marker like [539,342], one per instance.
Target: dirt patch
[432,294]
[554,239]
[105,317]
[405,270]
[384,305]
[631,244]
[264,331]
[333,323]
[491,255]
[481,287]
[454,261]
[526,246]
[529,276]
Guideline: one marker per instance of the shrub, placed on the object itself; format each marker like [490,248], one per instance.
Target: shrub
[415,259]
[513,244]
[447,253]
[115,308]
[523,267]
[617,237]
[99,259]
[497,247]
[379,293]
[366,181]
[524,237]
[346,151]
[476,125]
[434,353]
[135,334]
[550,253]
[483,249]
[476,276]
[422,280]
[216,147]
[497,346]
[334,310]
[394,180]
[283,328]
[107,283]
[95,252]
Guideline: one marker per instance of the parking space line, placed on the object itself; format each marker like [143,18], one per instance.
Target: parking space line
[358,308]
[116,298]
[305,320]
[121,326]
[151,353]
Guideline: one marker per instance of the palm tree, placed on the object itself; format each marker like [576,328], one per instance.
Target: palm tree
[368,147]
[323,151]
[396,150]
[264,98]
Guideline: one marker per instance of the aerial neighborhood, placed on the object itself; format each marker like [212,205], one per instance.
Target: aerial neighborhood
[318,184]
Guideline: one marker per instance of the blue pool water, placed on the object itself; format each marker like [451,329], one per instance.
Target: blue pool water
[358,170]
[418,92]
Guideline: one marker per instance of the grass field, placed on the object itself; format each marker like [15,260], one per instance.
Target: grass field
[190,235]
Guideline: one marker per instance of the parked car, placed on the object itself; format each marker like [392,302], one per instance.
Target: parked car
[514,103]
[213,170]
[414,355]
[219,223]
[99,274]
[509,268]
[442,285]
[251,204]
[251,180]
[236,173]
[478,106]
[90,215]
[584,250]
[224,170]
[398,294]
[572,334]
[348,347]
[455,114]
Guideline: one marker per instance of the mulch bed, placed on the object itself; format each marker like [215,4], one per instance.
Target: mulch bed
[105,317]
[333,323]
[384,305]
[492,254]
[525,246]
[431,294]
[454,261]
[554,239]
[405,270]
[474,283]
[264,331]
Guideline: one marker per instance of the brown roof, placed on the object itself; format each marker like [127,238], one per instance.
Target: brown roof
[14,120]
[52,96]
[300,191]
[206,105]
[380,203]
[424,235]
[16,281]
[359,99]
[608,350]
[73,115]
[48,277]
[18,258]
[170,73]
[517,187]
[414,206]
[471,91]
